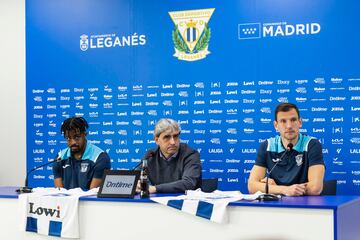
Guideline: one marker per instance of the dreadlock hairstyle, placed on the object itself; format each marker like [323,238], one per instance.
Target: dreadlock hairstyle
[77,124]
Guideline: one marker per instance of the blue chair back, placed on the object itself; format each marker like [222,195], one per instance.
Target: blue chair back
[329,187]
[209,185]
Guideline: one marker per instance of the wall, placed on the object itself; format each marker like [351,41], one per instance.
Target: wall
[12,92]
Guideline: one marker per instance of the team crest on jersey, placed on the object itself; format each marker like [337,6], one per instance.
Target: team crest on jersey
[84,42]
[191,35]
[84,167]
[299,159]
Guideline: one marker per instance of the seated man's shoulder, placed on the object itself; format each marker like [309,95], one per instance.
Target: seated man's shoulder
[186,148]
[94,153]
[64,153]
[309,142]
[104,155]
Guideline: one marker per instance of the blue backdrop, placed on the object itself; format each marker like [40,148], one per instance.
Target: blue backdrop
[124,64]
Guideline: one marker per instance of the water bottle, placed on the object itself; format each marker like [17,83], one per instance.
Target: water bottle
[144,180]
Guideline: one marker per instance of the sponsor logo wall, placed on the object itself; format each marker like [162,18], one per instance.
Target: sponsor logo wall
[218,69]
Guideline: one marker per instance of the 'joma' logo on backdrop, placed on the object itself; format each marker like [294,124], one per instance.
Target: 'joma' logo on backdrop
[192,34]
[280,29]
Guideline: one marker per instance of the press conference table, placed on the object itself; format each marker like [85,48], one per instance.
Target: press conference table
[292,218]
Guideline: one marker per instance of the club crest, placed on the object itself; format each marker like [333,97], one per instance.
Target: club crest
[191,35]
[299,159]
[84,167]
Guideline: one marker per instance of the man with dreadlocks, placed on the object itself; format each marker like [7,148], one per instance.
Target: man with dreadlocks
[82,164]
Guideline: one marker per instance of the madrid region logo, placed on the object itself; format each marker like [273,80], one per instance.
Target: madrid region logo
[191,34]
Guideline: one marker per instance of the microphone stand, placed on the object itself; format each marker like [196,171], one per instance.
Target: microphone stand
[26,188]
[269,196]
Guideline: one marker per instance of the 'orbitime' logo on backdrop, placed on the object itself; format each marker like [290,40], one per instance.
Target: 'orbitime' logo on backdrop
[192,34]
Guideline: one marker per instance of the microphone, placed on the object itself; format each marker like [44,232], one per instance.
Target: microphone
[27,189]
[149,155]
[268,196]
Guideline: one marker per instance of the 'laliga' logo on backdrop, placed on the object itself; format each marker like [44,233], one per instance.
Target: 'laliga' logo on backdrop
[192,34]
[84,42]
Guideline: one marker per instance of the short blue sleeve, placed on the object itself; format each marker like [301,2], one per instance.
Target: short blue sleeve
[315,155]
[261,155]
[57,169]
[102,163]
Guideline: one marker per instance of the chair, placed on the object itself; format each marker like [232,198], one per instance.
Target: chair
[209,185]
[329,187]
